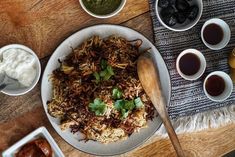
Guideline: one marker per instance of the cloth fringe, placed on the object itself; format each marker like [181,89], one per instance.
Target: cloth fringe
[201,121]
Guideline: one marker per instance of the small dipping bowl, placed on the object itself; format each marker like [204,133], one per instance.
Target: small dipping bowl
[227,90]
[41,132]
[17,89]
[201,69]
[115,12]
[226,33]
[188,24]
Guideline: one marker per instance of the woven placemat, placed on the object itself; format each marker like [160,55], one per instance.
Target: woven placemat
[188,97]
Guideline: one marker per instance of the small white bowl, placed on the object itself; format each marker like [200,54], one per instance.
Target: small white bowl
[226,31]
[40,132]
[16,91]
[103,16]
[228,86]
[202,64]
[187,24]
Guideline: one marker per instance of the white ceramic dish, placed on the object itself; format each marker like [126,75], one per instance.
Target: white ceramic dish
[17,89]
[103,16]
[202,64]
[187,24]
[40,132]
[228,86]
[226,32]
[64,49]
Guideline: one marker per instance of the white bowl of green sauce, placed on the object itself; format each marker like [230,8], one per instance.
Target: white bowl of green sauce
[102,8]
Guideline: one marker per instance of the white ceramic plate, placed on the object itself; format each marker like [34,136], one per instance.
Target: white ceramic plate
[64,49]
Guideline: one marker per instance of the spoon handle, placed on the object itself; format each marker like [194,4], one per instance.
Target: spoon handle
[166,121]
[173,137]
[160,104]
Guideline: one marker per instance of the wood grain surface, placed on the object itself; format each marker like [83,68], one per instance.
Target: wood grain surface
[208,143]
[42,25]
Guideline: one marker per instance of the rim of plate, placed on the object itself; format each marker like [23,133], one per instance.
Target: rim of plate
[168,101]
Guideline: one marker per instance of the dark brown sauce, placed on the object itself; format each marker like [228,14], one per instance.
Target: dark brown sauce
[213,34]
[215,85]
[36,148]
[189,64]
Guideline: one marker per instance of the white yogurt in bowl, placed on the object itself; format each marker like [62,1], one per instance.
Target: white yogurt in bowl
[21,63]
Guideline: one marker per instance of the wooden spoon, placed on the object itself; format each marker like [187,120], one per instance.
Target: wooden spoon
[150,81]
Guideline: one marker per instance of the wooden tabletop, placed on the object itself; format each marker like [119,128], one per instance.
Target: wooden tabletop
[43,25]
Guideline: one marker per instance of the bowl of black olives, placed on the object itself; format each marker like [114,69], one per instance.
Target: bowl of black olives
[179,15]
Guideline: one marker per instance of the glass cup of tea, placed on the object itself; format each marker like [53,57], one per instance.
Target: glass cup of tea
[190,64]
[218,86]
[215,34]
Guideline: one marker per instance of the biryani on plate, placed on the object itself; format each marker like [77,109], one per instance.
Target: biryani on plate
[97,92]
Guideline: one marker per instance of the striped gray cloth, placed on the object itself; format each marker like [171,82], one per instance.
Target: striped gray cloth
[188,97]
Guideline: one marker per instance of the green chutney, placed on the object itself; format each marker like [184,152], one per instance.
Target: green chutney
[101,7]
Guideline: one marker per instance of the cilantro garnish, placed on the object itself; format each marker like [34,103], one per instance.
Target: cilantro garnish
[138,103]
[126,106]
[103,64]
[97,77]
[106,73]
[98,106]
[110,70]
[116,93]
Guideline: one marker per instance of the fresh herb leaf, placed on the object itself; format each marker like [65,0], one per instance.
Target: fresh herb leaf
[97,77]
[138,103]
[129,105]
[116,93]
[124,113]
[110,70]
[103,64]
[107,76]
[98,106]
[107,73]
[119,104]
[103,73]
[124,107]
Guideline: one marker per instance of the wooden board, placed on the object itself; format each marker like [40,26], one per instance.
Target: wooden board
[208,143]
[44,24]
[43,29]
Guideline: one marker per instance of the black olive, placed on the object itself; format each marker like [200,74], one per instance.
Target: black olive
[172,2]
[182,5]
[167,11]
[170,20]
[193,11]
[163,3]
[180,17]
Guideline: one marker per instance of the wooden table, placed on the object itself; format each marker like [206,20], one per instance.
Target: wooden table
[43,25]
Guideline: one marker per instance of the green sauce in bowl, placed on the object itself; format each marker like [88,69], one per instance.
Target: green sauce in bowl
[102,7]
